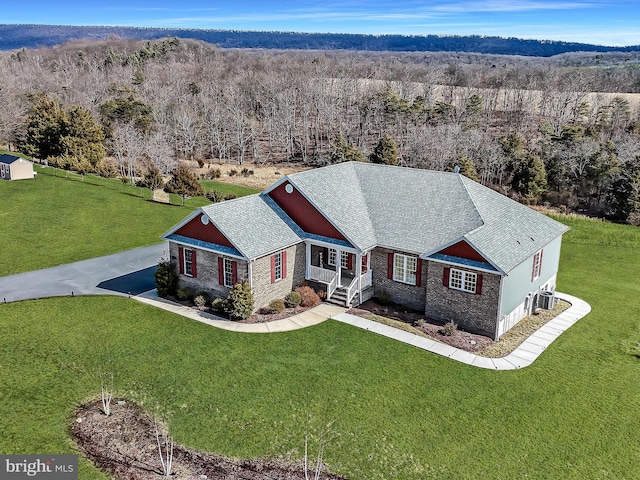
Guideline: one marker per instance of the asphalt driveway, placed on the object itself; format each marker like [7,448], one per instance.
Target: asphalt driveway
[126,273]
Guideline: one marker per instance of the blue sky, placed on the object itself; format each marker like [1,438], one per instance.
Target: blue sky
[615,22]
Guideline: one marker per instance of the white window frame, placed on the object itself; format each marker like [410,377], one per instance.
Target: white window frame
[344,258]
[277,267]
[405,268]
[227,270]
[463,280]
[537,265]
[331,257]
[187,258]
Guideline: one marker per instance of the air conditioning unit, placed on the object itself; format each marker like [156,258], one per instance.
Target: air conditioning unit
[546,300]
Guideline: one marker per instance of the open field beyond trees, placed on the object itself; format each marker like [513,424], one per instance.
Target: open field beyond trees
[398,411]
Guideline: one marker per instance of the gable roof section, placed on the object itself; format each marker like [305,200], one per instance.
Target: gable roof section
[336,192]
[512,232]
[8,159]
[250,225]
[421,211]
[411,210]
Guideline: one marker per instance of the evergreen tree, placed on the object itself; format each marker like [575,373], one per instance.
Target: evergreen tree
[183,182]
[152,179]
[240,301]
[385,152]
[345,152]
[83,137]
[45,127]
[68,138]
[624,193]
[467,168]
[125,108]
[530,178]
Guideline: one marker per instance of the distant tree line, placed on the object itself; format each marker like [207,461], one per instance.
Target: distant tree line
[32,36]
[560,131]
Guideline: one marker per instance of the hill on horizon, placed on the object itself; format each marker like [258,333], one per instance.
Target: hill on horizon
[31,36]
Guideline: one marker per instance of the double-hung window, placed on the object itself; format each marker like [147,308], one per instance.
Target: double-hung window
[405,268]
[228,273]
[462,280]
[277,267]
[188,262]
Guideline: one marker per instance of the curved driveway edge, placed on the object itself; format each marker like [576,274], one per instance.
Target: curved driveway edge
[80,278]
[524,355]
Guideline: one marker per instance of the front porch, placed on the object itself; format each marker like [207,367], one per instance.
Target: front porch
[345,272]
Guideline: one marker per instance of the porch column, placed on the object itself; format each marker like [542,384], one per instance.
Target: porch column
[308,260]
[359,273]
[339,266]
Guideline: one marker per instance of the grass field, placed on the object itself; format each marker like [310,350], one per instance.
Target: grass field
[61,217]
[399,412]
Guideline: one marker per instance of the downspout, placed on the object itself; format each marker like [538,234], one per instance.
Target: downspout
[250,273]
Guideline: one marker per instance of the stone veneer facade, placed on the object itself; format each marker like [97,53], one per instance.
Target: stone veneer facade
[263,290]
[207,272]
[473,313]
[400,293]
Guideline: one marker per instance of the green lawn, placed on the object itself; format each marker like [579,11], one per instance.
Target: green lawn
[400,412]
[61,217]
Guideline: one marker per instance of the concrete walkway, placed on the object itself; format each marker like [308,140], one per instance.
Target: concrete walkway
[86,277]
[524,355]
[313,316]
[128,272]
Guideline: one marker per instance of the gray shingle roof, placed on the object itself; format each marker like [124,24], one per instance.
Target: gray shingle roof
[421,211]
[512,232]
[251,226]
[416,211]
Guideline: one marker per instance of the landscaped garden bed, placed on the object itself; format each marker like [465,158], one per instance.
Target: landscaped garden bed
[125,445]
[416,322]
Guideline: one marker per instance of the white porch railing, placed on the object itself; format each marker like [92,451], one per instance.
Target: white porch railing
[330,277]
[365,281]
[331,287]
[320,274]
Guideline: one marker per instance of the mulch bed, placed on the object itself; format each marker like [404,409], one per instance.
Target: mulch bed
[124,445]
[416,322]
[428,327]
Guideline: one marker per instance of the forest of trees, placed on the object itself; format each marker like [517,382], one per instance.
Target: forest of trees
[541,130]
[31,36]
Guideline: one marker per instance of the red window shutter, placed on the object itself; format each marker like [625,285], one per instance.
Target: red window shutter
[194,268]
[350,260]
[221,270]
[540,261]
[419,273]
[390,266]
[445,277]
[234,272]
[273,268]
[479,285]
[181,259]
[284,264]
